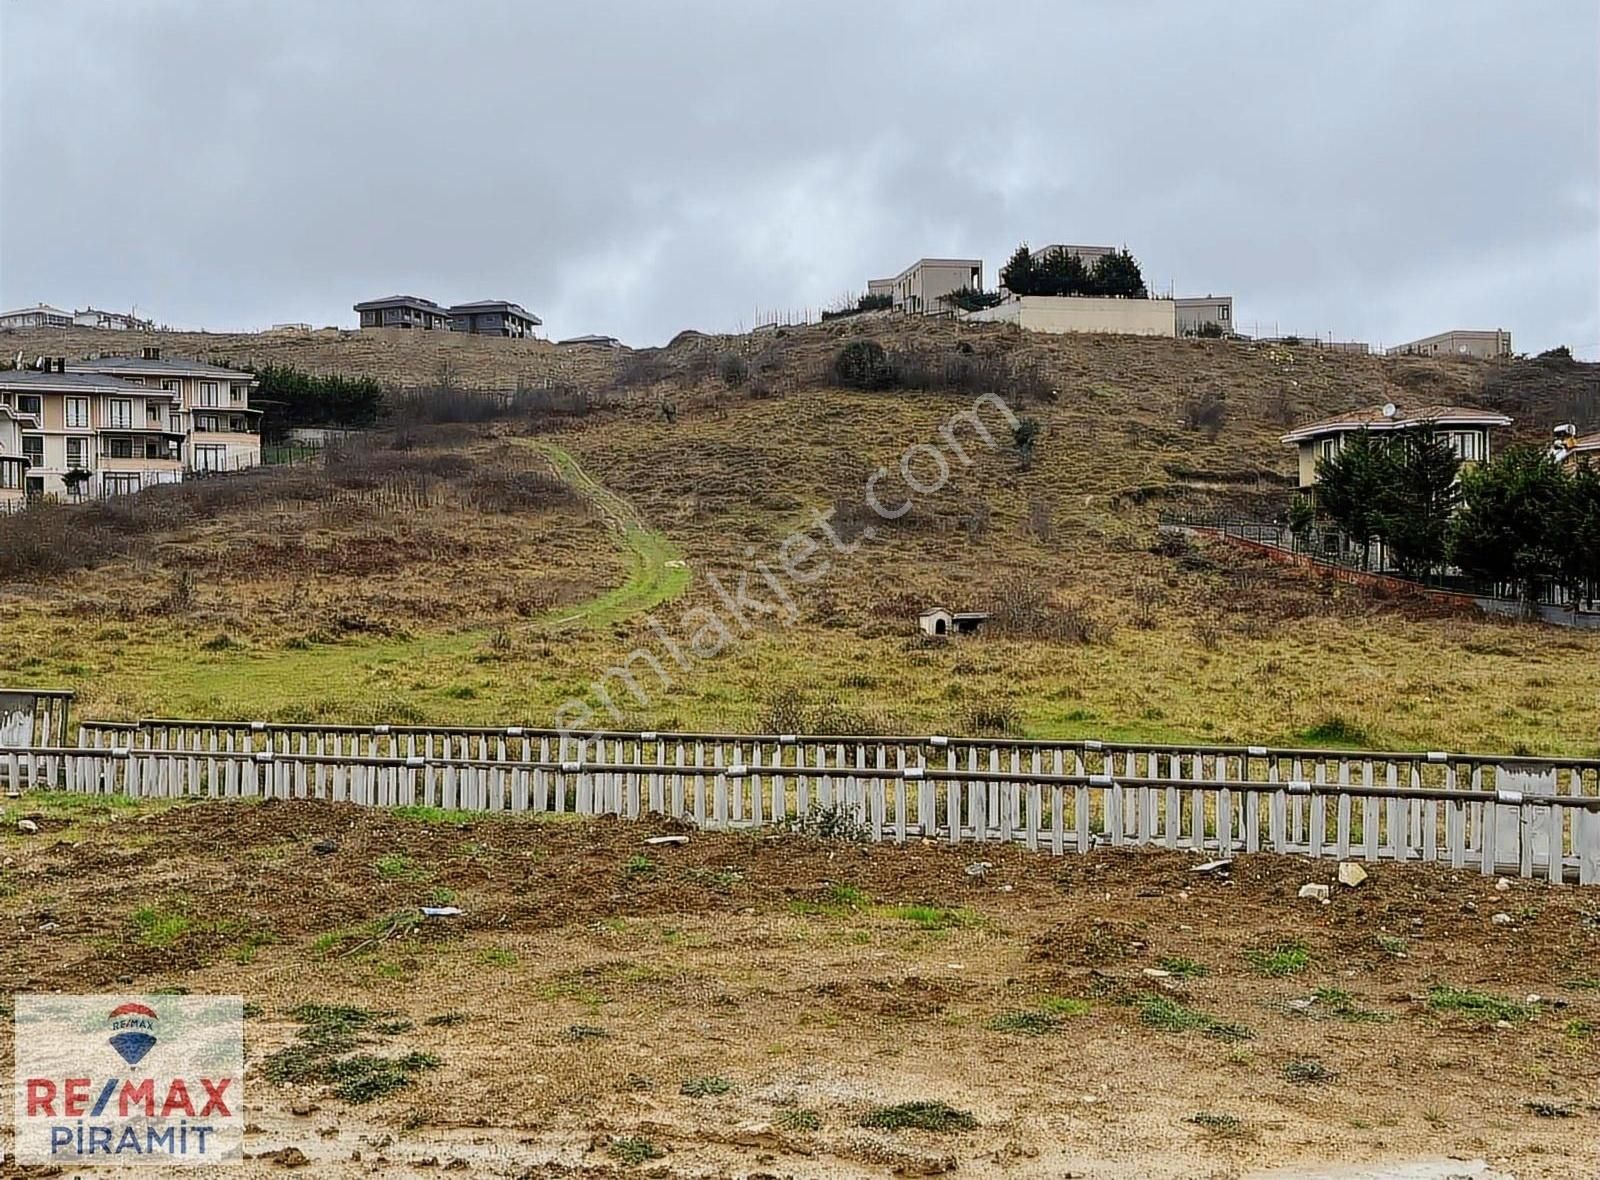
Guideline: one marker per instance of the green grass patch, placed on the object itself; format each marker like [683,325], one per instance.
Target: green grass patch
[1181,967]
[1336,731]
[1307,1073]
[938,1117]
[1392,944]
[159,927]
[799,1119]
[929,917]
[633,1149]
[498,956]
[1477,1005]
[1049,1017]
[708,1086]
[639,866]
[1169,1015]
[395,866]
[1289,957]
[1223,1126]
[324,1052]
[1341,1005]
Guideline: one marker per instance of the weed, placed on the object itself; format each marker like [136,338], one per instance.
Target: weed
[1551,1110]
[800,1120]
[927,917]
[1478,1005]
[244,951]
[633,1149]
[322,1052]
[394,866]
[1307,1073]
[833,822]
[1180,967]
[446,1020]
[1169,1015]
[1284,958]
[919,1116]
[1224,1126]
[1342,1005]
[363,1078]
[1336,731]
[160,927]
[1392,944]
[639,865]
[498,956]
[577,1033]
[707,1086]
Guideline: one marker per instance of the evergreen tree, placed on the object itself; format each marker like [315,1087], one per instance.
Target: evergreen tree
[1353,488]
[1117,274]
[1512,525]
[1061,272]
[1414,521]
[1018,275]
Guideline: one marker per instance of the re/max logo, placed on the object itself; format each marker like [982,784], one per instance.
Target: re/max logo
[73,1096]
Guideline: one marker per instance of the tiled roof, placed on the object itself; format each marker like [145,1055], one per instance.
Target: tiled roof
[28,379]
[148,367]
[1373,418]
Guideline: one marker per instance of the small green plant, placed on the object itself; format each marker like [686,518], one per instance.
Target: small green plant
[919,1116]
[577,1033]
[1049,1017]
[798,1119]
[1224,1126]
[1342,1006]
[498,956]
[633,1149]
[1392,944]
[323,1052]
[1180,967]
[929,917]
[639,866]
[159,927]
[1284,958]
[446,1020]
[1169,1015]
[1477,1005]
[708,1086]
[394,866]
[1307,1073]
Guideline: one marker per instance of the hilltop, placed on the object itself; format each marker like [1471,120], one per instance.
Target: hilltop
[678,474]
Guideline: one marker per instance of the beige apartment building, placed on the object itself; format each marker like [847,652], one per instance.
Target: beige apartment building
[920,287]
[1466,428]
[1204,314]
[114,425]
[1486,343]
[13,466]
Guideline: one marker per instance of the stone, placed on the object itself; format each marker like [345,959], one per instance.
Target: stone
[27,827]
[1503,885]
[301,1108]
[1156,973]
[1213,866]
[657,841]
[325,847]
[1502,919]
[978,868]
[288,1157]
[1351,874]
[1314,892]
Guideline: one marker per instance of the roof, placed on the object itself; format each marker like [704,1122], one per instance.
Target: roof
[934,610]
[515,309]
[71,382]
[142,366]
[590,339]
[936,262]
[1373,418]
[399,301]
[1584,444]
[36,309]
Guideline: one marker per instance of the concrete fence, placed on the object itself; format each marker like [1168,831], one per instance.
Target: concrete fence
[1533,817]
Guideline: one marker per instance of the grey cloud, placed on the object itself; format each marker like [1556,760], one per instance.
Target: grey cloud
[635,168]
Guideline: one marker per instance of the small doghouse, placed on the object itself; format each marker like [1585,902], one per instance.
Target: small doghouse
[939,622]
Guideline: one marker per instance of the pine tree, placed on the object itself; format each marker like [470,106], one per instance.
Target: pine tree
[1414,521]
[1353,488]
[1018,275]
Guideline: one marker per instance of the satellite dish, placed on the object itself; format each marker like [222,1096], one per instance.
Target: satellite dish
[1390,409]
[1566,430]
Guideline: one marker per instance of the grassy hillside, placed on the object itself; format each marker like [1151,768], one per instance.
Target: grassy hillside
[1108,631]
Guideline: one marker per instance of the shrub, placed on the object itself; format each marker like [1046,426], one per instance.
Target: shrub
[1206,411]
[863,364]
[1022,609]
[733,369]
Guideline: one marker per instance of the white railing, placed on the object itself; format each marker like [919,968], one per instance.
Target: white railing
[1525,816]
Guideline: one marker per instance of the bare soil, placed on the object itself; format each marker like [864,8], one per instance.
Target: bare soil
[593,979]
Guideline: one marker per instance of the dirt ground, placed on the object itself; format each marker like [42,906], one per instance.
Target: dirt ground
[746,1004]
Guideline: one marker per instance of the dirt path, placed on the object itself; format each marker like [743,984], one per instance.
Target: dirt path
[658,571]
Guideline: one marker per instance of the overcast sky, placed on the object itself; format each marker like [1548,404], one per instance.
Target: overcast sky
[1379,171]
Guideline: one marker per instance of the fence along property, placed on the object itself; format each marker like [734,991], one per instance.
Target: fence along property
[1534,817]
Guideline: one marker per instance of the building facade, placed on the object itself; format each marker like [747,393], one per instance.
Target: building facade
[1211,315]
[1485,343]
[1582,448]
[1466,428]
[1088,255]
[403,311]
[13,465]
[493,317]
[42,316]
[118,424]
[116,321]
[1083,313]
[920,287]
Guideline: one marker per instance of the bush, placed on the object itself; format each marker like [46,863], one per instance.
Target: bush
[1022,610]
[733,369]
[863,364]
[1207,411]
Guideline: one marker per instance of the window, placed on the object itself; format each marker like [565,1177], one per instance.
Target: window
[170,384]
[154,448]
[120,483]
[119,447]
[1468,445]
[174,423]
[33,449]
[30,403]
[10,474]
[238,393]
[121,413]
[1327,448]
[152,413]
[77,453]
[210,422]
[1222,311]
[208,393]
[238,425]
[77,413]
[210,457]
